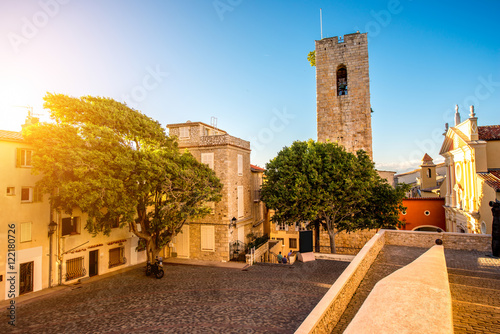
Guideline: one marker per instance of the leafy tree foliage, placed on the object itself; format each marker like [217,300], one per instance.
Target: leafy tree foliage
[116,164]
[311,57]
[322,183]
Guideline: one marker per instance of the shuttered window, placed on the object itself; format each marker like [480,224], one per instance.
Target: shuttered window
[23,157]
[25,232]
[208,238]
[184,132]
[116,257]
[208,159]
[241,202]
[240,164]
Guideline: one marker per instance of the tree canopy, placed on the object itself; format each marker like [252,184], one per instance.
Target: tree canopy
[116,164]
[311,57]
[321,182]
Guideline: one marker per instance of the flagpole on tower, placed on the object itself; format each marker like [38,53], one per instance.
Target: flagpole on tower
[321,22]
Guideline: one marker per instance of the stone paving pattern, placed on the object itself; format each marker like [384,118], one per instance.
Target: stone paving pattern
[474,283]
[188,299]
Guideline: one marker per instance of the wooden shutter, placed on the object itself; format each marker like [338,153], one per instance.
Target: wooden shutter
[207,238]
[240,164]
[25,232]
[19,157]
[208,159]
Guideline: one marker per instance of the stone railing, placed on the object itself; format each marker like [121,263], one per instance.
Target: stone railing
[414,299]
[328,311]
[464,241]
[223,140]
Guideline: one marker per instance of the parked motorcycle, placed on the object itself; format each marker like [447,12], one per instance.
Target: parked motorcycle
[156,268]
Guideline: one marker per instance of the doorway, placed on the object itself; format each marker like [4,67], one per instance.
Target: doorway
[93,263]
[26,277]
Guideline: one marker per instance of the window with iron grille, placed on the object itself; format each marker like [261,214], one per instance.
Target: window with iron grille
[116,257]
[75,268]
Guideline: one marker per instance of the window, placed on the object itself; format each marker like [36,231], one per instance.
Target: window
[208,159]
[116,257]
[70,225]
[342,80]
[24,157]
[208,238]
[429,173]
[241,203]
[26,195]
[75,268]
[25,232]
[31,194]
[11,191]
[292,242]
[240,164]
[282,227]
[184,132]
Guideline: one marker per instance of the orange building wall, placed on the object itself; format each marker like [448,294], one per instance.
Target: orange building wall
[415,213]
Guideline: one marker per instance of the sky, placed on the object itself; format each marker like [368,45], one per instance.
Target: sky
[243,64]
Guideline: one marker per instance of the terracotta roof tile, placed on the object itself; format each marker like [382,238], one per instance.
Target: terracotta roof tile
[489,132]
[426,157]
[492,178]
[10,135]
[256,168]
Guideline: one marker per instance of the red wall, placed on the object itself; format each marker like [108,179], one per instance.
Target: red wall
[415,213]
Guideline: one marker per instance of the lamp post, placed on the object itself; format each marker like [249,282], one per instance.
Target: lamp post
[52,229]
[233,222]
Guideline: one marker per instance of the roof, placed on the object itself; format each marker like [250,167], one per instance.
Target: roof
[10,135]
[189,123]
[489,132]
[426,158]
[256,168]
[492,178]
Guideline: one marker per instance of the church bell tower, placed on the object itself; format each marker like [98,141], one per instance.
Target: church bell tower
[343,92]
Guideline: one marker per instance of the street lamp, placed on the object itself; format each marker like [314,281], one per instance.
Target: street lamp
[52,229]
[233,222]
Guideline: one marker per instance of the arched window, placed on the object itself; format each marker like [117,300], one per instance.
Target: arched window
[341,80]
[429,173]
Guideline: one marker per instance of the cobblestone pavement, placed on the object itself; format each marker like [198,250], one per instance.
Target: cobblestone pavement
[474,284]
[188,299]
[475,291]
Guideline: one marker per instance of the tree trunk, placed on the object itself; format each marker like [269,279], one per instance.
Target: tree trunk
[333,250]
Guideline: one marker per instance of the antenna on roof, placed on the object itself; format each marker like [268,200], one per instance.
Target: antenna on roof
[213,122]
[321,21]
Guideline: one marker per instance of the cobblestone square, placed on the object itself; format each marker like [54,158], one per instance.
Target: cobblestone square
[188,299]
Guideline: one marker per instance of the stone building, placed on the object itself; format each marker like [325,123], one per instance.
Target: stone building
[239,213]
[343,92]
[472,158]
[426,181]
[43,258]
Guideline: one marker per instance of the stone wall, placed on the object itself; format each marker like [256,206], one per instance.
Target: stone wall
[326,314]
[345,118]
[346,243]
[463,241]
[221,252]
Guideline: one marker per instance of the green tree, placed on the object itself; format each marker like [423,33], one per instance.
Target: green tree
[322,183]
[311,57]
[116,164]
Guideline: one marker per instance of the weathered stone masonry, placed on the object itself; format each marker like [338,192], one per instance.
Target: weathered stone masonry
[344,118]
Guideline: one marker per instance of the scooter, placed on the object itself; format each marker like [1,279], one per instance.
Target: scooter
[156,268]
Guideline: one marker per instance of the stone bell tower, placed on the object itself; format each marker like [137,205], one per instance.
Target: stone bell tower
[343,92]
